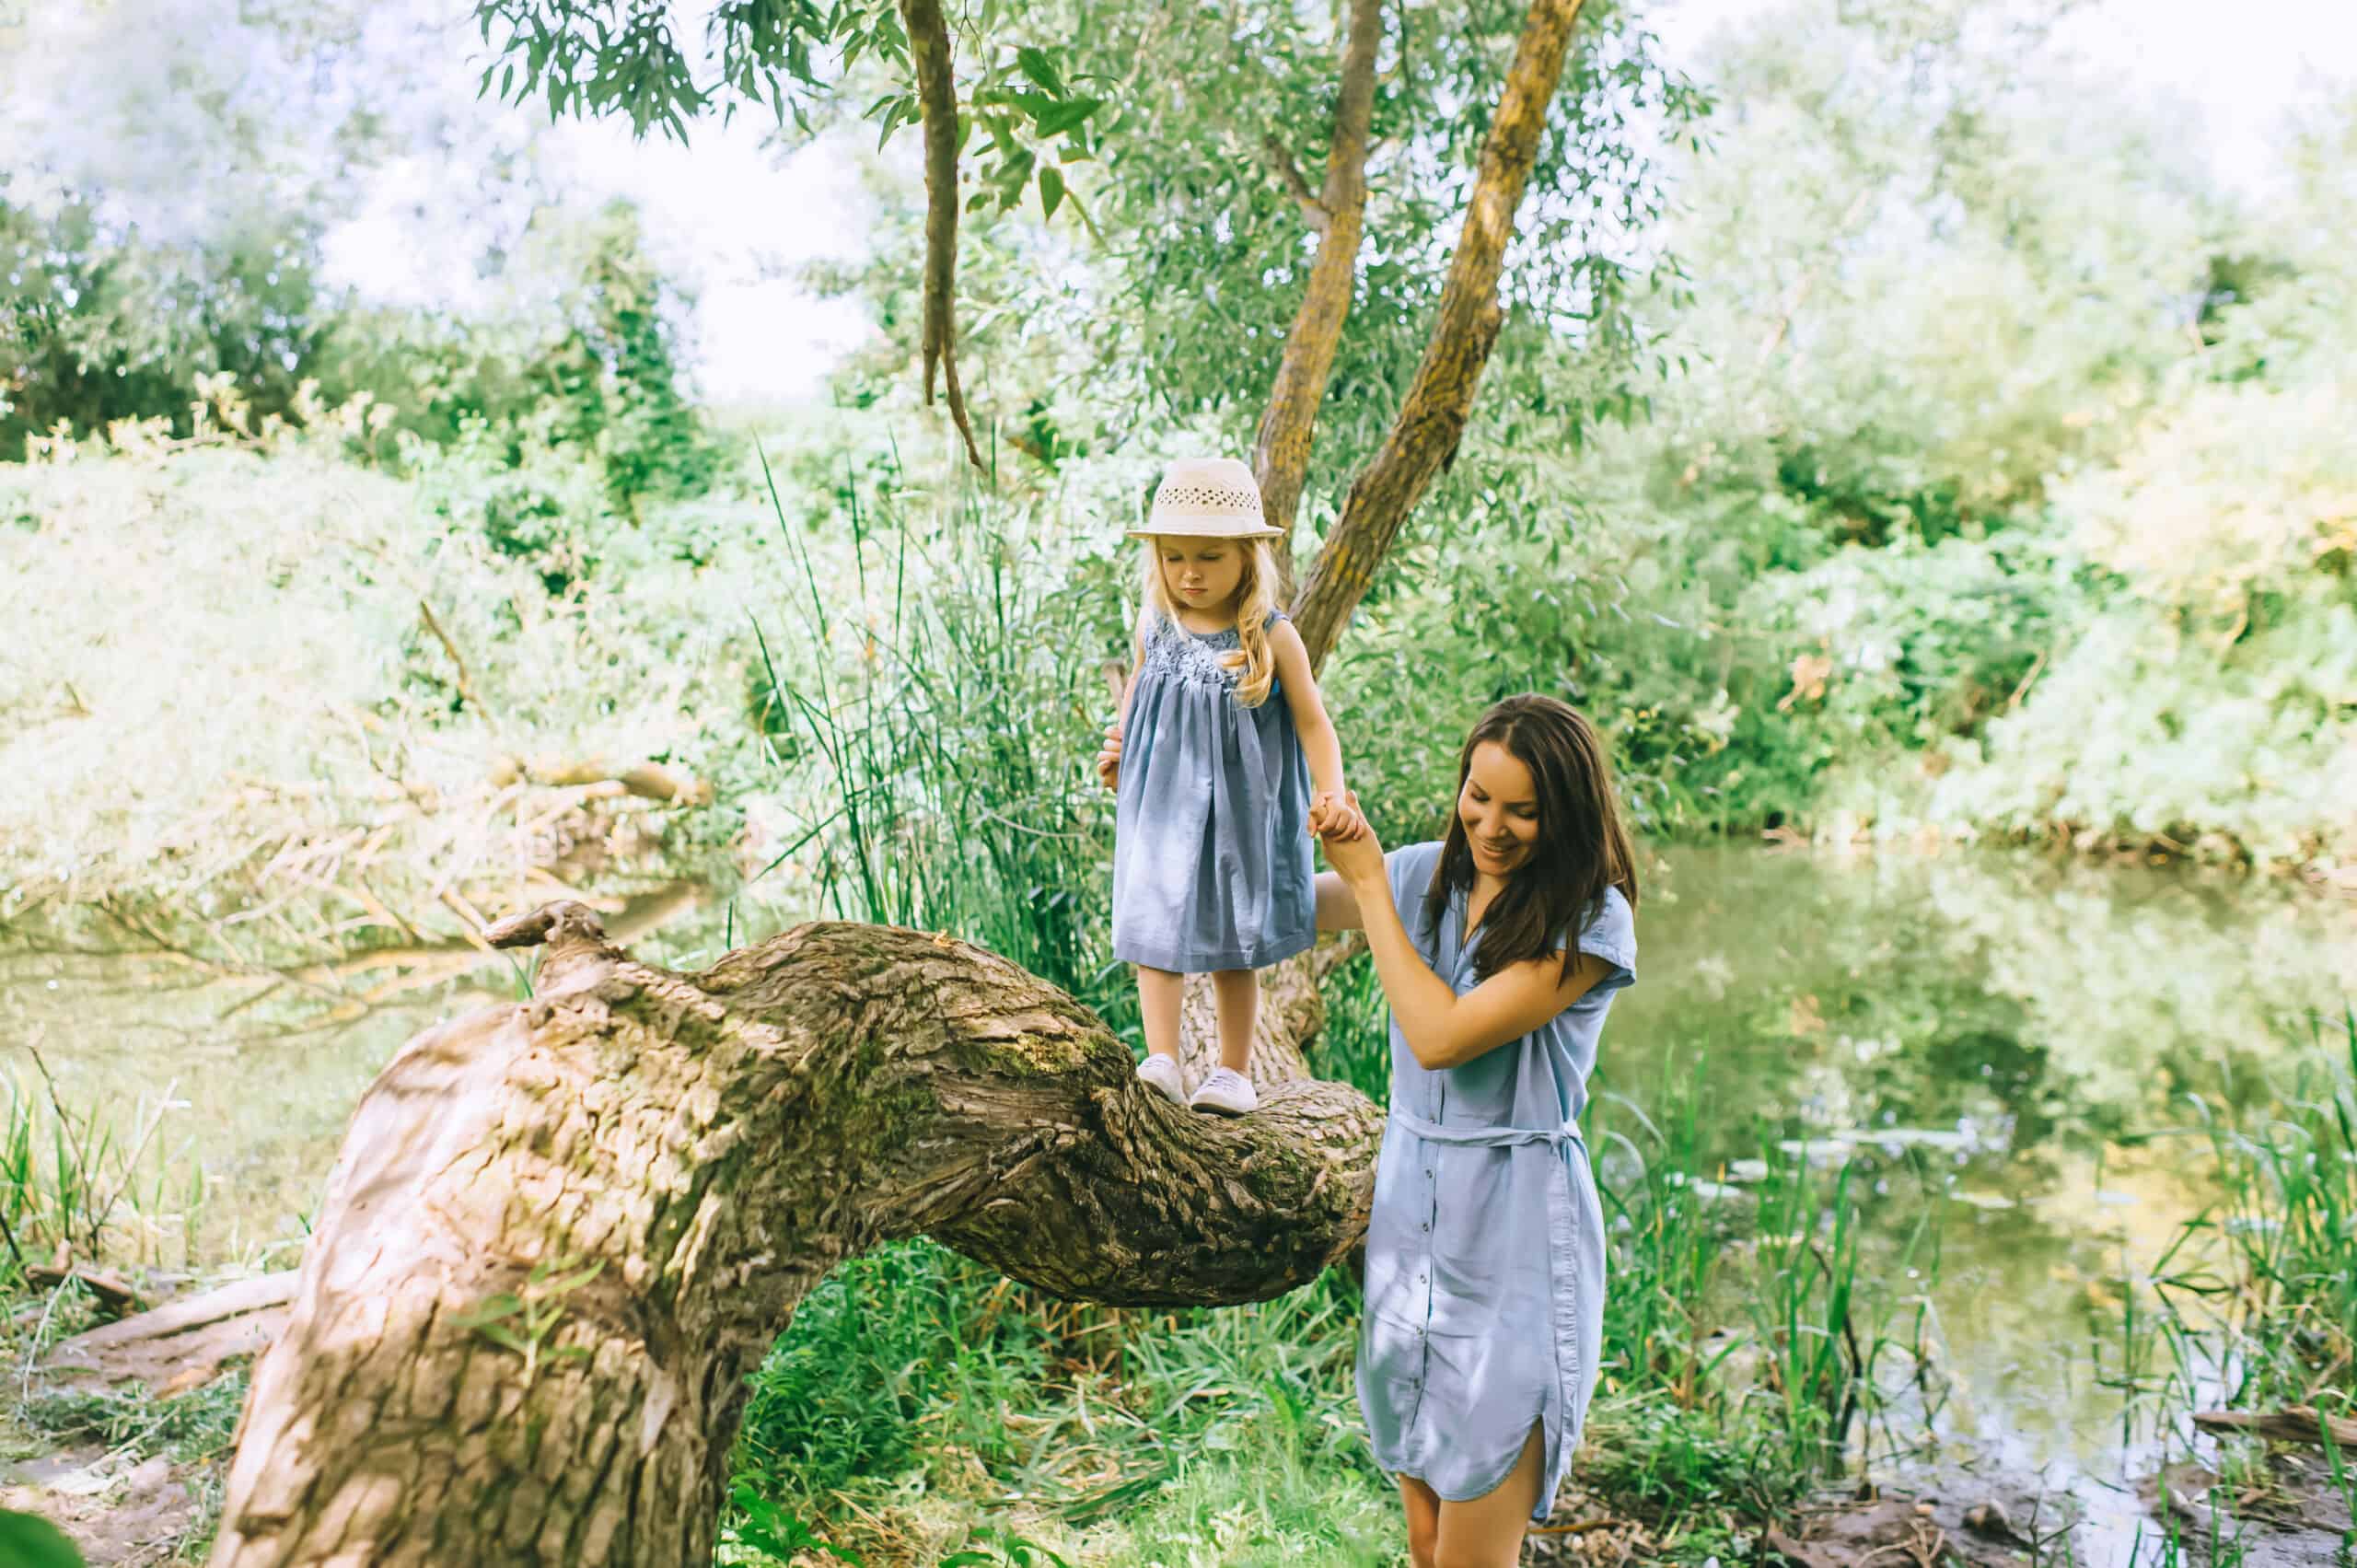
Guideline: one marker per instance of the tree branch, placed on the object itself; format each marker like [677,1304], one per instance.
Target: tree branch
[937,101]
[1281,160]
[1431,417]
[1280,451]
[562,1233]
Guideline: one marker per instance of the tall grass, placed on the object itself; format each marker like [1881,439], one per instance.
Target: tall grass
[935,699]
[1751,1340]
[82,1181]
[2252,1305]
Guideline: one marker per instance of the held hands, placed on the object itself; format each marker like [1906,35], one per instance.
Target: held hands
[1351,845]
[1332,818]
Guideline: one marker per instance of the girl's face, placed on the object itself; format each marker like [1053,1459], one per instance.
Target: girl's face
[1199,574]
[1499,806]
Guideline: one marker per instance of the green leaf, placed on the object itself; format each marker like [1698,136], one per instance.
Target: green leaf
[28,1540]
[1052,190]
[1068,116]
[1035,64]
[1037,105]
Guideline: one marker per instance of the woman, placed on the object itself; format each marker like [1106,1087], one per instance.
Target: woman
[1484,1298]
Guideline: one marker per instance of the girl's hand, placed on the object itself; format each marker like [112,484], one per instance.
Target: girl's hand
[1328,815]
[1109,759]
[1351,845]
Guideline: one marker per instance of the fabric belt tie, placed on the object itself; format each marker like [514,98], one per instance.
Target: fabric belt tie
[1490,1137]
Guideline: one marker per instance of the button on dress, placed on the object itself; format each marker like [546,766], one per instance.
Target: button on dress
[1484,1296]
[1211,865]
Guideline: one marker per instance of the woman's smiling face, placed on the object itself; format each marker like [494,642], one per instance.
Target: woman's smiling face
[1198,573]
[1499,806]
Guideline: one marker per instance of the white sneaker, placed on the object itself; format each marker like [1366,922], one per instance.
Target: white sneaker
[1162,1072]
[1226,1091]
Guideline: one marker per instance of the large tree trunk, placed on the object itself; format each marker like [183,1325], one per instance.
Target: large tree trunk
[1431,417]
[1281,454]
[561,1234]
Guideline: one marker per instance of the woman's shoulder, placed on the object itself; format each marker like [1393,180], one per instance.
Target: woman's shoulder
[1411,867]
[1611,931]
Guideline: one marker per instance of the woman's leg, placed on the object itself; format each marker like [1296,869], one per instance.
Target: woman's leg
[1486,1532]
[1235,999]
[1158,994]
[1423,1521]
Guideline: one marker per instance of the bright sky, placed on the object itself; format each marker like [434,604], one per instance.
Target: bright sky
[729,217]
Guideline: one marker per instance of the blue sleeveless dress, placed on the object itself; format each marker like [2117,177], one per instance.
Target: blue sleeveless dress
[1484,1302]
[1211,866]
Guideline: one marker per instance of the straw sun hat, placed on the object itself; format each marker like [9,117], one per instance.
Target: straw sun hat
[1208,498]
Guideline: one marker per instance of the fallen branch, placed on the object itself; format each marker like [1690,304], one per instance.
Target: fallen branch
[2299,1423]
[648,781]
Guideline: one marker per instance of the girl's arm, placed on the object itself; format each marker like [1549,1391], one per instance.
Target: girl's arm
[1443,1028]
[1109,756]
[1318,745]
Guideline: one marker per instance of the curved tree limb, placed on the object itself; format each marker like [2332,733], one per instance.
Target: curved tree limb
[937,103]
[1431,417]
[1281,452]
[559,1233]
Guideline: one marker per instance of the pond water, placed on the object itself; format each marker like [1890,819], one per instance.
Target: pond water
[2004,1030]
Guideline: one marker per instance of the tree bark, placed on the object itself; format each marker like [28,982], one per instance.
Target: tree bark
[1431,417]
[937,108]
[1281,453]
[561,1234]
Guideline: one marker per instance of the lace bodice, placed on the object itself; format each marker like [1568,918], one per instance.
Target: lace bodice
[1190,657]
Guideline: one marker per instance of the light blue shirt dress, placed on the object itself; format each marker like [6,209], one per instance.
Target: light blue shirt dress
[1211,866]
[1484,1299]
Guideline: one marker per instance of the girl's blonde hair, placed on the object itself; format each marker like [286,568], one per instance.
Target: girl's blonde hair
[1256,594]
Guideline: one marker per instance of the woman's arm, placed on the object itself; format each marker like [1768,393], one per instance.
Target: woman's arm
[1441,1027]
[1338,907]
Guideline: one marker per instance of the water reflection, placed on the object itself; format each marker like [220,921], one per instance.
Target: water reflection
[1998,1041]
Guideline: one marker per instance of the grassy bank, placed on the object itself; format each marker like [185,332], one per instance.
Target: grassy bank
[2252,1309]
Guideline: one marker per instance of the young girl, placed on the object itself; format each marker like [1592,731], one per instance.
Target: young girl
[1220,739]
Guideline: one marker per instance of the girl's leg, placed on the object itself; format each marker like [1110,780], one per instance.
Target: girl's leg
[1158,994]
[1235,998]
[1423,1521]
[1487,1531]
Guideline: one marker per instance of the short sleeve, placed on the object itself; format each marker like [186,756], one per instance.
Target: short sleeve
[1410,868]
[1612,936]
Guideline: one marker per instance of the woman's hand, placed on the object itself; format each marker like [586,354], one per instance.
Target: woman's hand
[1109,759]
[1351,845]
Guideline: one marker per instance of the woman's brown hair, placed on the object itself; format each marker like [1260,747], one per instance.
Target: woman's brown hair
[1580,850]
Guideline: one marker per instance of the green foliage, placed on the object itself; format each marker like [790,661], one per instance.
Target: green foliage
[597,58]
[28,1540]
[765,1528]
[197,1427]
[897,1334]
[524,1321]
[98,323]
